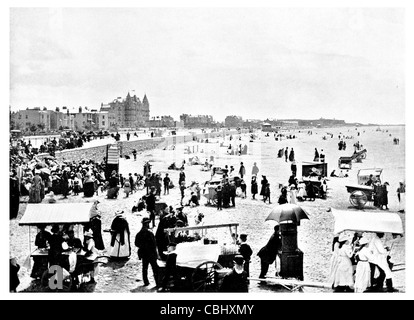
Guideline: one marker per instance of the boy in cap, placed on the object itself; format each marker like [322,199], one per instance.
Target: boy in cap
[170,265]
[246,251]
[236,280]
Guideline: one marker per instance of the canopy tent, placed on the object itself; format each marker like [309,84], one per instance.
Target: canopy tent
[372,221]
[55,213]
[363,174]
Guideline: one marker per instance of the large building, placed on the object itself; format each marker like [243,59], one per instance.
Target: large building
[163,121]
[199,121]
[127,113]
[41,119]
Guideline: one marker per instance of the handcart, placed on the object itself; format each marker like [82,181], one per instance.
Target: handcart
[201,265]
[360,194]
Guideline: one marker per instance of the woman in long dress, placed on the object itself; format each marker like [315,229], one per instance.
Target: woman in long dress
[254,187]
[341,275]
[120,237]
[401,197]
[37,190]
[293,194]
[363,269]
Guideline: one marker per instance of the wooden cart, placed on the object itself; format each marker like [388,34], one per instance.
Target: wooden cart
[360,194]
[201,265]
[346,162]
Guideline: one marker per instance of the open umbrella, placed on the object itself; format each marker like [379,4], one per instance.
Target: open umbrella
[287,211]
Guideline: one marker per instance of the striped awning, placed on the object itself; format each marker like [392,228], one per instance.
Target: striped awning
[51,213]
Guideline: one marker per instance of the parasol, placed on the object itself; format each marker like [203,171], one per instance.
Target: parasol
[286,212]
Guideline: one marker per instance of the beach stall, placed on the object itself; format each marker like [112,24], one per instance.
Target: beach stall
[76,268]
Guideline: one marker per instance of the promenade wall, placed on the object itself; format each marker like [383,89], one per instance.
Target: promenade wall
[97,153]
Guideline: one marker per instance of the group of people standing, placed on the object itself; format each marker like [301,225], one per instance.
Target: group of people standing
[356,260]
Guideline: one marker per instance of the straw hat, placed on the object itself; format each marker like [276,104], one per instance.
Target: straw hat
[363,240]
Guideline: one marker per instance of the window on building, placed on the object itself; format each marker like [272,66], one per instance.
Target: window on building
[103,117]
[27,117]
[103,123]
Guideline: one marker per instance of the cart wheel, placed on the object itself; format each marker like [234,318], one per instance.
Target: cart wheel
[205,278]
[358,199]
[363,156]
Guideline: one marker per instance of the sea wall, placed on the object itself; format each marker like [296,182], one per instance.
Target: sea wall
[97,153]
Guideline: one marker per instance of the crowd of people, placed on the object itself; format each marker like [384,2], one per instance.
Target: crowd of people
[40,178]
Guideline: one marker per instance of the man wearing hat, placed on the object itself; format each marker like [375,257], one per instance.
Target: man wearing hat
[242,170]
[236,280]
[150,202]
[147,251]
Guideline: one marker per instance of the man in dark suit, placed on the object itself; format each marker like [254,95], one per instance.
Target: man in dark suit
[147,251]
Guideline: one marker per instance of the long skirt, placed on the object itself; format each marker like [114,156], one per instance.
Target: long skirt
[362,276]
[119,251]
[342,272]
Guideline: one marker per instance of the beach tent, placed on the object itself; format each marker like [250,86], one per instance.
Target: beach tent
[369,221]
[51,213]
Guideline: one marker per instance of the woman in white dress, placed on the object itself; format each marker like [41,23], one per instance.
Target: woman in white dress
[120,237]
[301,191]
[363,269]
[293,194]
[341,276]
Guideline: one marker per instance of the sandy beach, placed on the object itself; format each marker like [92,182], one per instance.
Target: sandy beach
[314,235]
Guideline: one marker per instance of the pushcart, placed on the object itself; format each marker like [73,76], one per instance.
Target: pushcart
[202,264]
[346,162]
[361,193]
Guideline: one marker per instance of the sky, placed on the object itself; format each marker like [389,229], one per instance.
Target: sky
[255,62]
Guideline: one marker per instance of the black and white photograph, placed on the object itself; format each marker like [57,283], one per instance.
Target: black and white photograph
[166,150]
